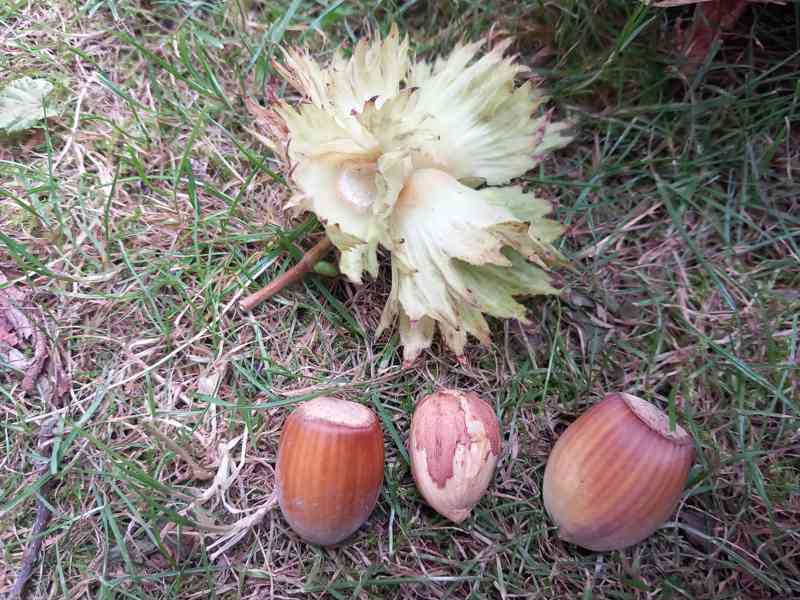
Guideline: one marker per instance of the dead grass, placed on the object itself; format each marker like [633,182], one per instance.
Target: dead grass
[142,214]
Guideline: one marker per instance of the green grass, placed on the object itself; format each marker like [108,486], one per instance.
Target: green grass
[141,214]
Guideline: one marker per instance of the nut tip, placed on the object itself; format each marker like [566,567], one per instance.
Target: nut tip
[656,419]
[338,411]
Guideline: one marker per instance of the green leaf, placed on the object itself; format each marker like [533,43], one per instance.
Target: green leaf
[22,103]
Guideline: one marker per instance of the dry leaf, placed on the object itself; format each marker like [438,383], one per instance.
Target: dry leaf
[22,322]
[7,336]
[711,19]
[208,383]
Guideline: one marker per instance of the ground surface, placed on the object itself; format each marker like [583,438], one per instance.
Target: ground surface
[138,217]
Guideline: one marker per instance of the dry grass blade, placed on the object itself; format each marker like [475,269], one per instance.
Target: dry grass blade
[227,535]
[198,472]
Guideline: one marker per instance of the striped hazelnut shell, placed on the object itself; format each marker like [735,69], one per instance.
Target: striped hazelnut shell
[330,469]
[616,474]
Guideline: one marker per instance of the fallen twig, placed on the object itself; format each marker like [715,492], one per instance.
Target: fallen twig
[305,265]
[43,515]
[40,353]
